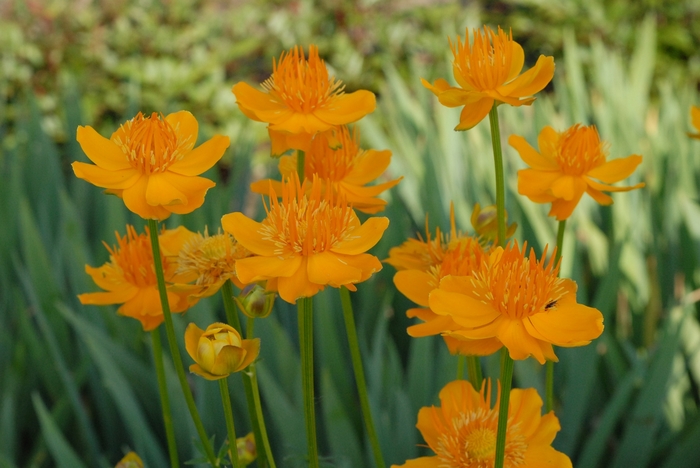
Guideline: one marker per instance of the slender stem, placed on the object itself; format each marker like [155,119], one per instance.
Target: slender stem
[164,400]
[549,366]
[474,370]
[500,181]
[360,375]
[249,384]
[506,381]
[228,414]
[306,345]
[461,359]
[172,342]
[301,157]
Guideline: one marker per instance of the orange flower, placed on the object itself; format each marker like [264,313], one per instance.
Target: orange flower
[462,432]
[487,74]
[301,99]
[309,240]
[129,277]
[520,301]
[219,350]
[695,116]
[150,163]
[566,167]
[336,158]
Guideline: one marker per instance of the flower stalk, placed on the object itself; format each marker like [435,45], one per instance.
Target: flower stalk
[228,414]
[474,371]
[506,382]
[172,342]
[549,367]
[306,345]
[500,180]
[359,371]
[164,400]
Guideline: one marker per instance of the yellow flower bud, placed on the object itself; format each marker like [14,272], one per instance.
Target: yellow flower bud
[485,223]
[247,452]
[130,460]
[219,350]
[255,302]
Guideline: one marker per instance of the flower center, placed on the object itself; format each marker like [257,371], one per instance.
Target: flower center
[211,258]
[486,63]
[515,285]
[580,150]
[303,85]
[333,156]
[480,444]
[305,224]
[149,143]
[134,258]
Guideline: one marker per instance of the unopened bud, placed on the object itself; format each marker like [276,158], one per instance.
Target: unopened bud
[255,302]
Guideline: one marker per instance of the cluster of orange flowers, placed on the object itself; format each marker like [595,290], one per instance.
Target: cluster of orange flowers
[478,296]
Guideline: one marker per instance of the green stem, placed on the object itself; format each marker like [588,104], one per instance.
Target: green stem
[474,370]
[228,414]
[549,367]
[500,181]
[506,381]
[360,375]
[172,342]
[250,385]
[301,156]
[164,400]
[306,345]
[461,359]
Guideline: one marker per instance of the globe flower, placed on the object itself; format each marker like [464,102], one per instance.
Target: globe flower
[151,163]
[462,431]
[301,99]
[487,72]
[695,119]
[336,158]
[129,278]
[219,350]
[308,240]
[519,300]
[485,223]
[567,166]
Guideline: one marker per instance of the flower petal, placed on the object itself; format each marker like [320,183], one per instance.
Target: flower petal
[532,81]
[426,425]
[96,175]
[464,310]
[107,298]
[368,166]
[248,233]
[347,108]
[298,285]
[466,347]
[610,188]
[327,268]
[544,456]
[562,209]
[251,269]
[362,238]
[415,285]
[186,128]
[202,158]
[160,192]
[194,187]
[192,335]
[531,157]
[422,462]
[135,200]
[525,407]
[519,342]
[253,101]
[197,369]
[537,185]
[566,325]
[437,87]
[616,170]
[252,349]
[474,113]
[516,62]
[456,97]
[568,187]
[228,360]
[599,196]
[547,142]
[546,431]
[101,151]
[295,122]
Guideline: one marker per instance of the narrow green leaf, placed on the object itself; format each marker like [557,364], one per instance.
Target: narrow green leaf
[63,454]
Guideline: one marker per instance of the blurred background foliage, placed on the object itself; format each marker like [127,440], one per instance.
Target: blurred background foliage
[76,383]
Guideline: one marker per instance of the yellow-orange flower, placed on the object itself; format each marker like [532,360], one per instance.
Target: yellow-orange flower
[487,72]
[129,277]
[308,240]
[462,431]
[695,119]
[336,158]
[566,167]
[151,163]
[519,300]
[301,99]
[219,350]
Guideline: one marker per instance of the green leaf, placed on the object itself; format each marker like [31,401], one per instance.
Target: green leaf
[63,454]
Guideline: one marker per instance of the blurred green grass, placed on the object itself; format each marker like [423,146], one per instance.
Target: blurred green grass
[77,386]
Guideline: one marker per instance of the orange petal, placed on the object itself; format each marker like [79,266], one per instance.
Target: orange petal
[197,369]
[248,233]
[160,192]
[107,298]
[327,268]
[415,285]
[562,209]
[474,113]
[546,431]
[422,462]
[426,425]
[547,142]
[599,196]
[298,285]
[464,310]
[519,342]
[367,265]
[531,157]
[466,347]
[517,61]
[544,456]
[566,324]
[255,101]
[186,128]
[202,158]
[107,278]
[437,87]
[251,269]
[347,108]
[295,122]
[135,200]
[252,349]
[568,187]
[432,327]
[146,302]
[194,187]
[362,238]
[101,151]
[120,179]
[536,185]
[456,97]
[532,81]
[616,170]
[525,407]
[192,335]
[228,360]
[368,166]
[266,187]
[610,188]
[695,118]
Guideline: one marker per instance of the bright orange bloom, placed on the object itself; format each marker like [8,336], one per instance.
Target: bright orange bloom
[219,350]
[487,73]
[421,266]
[336,158]
[129,277]
[462,432]
[309,240]
[150,163]
[566,166]
[519,300]
[301,99]
[695,116]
